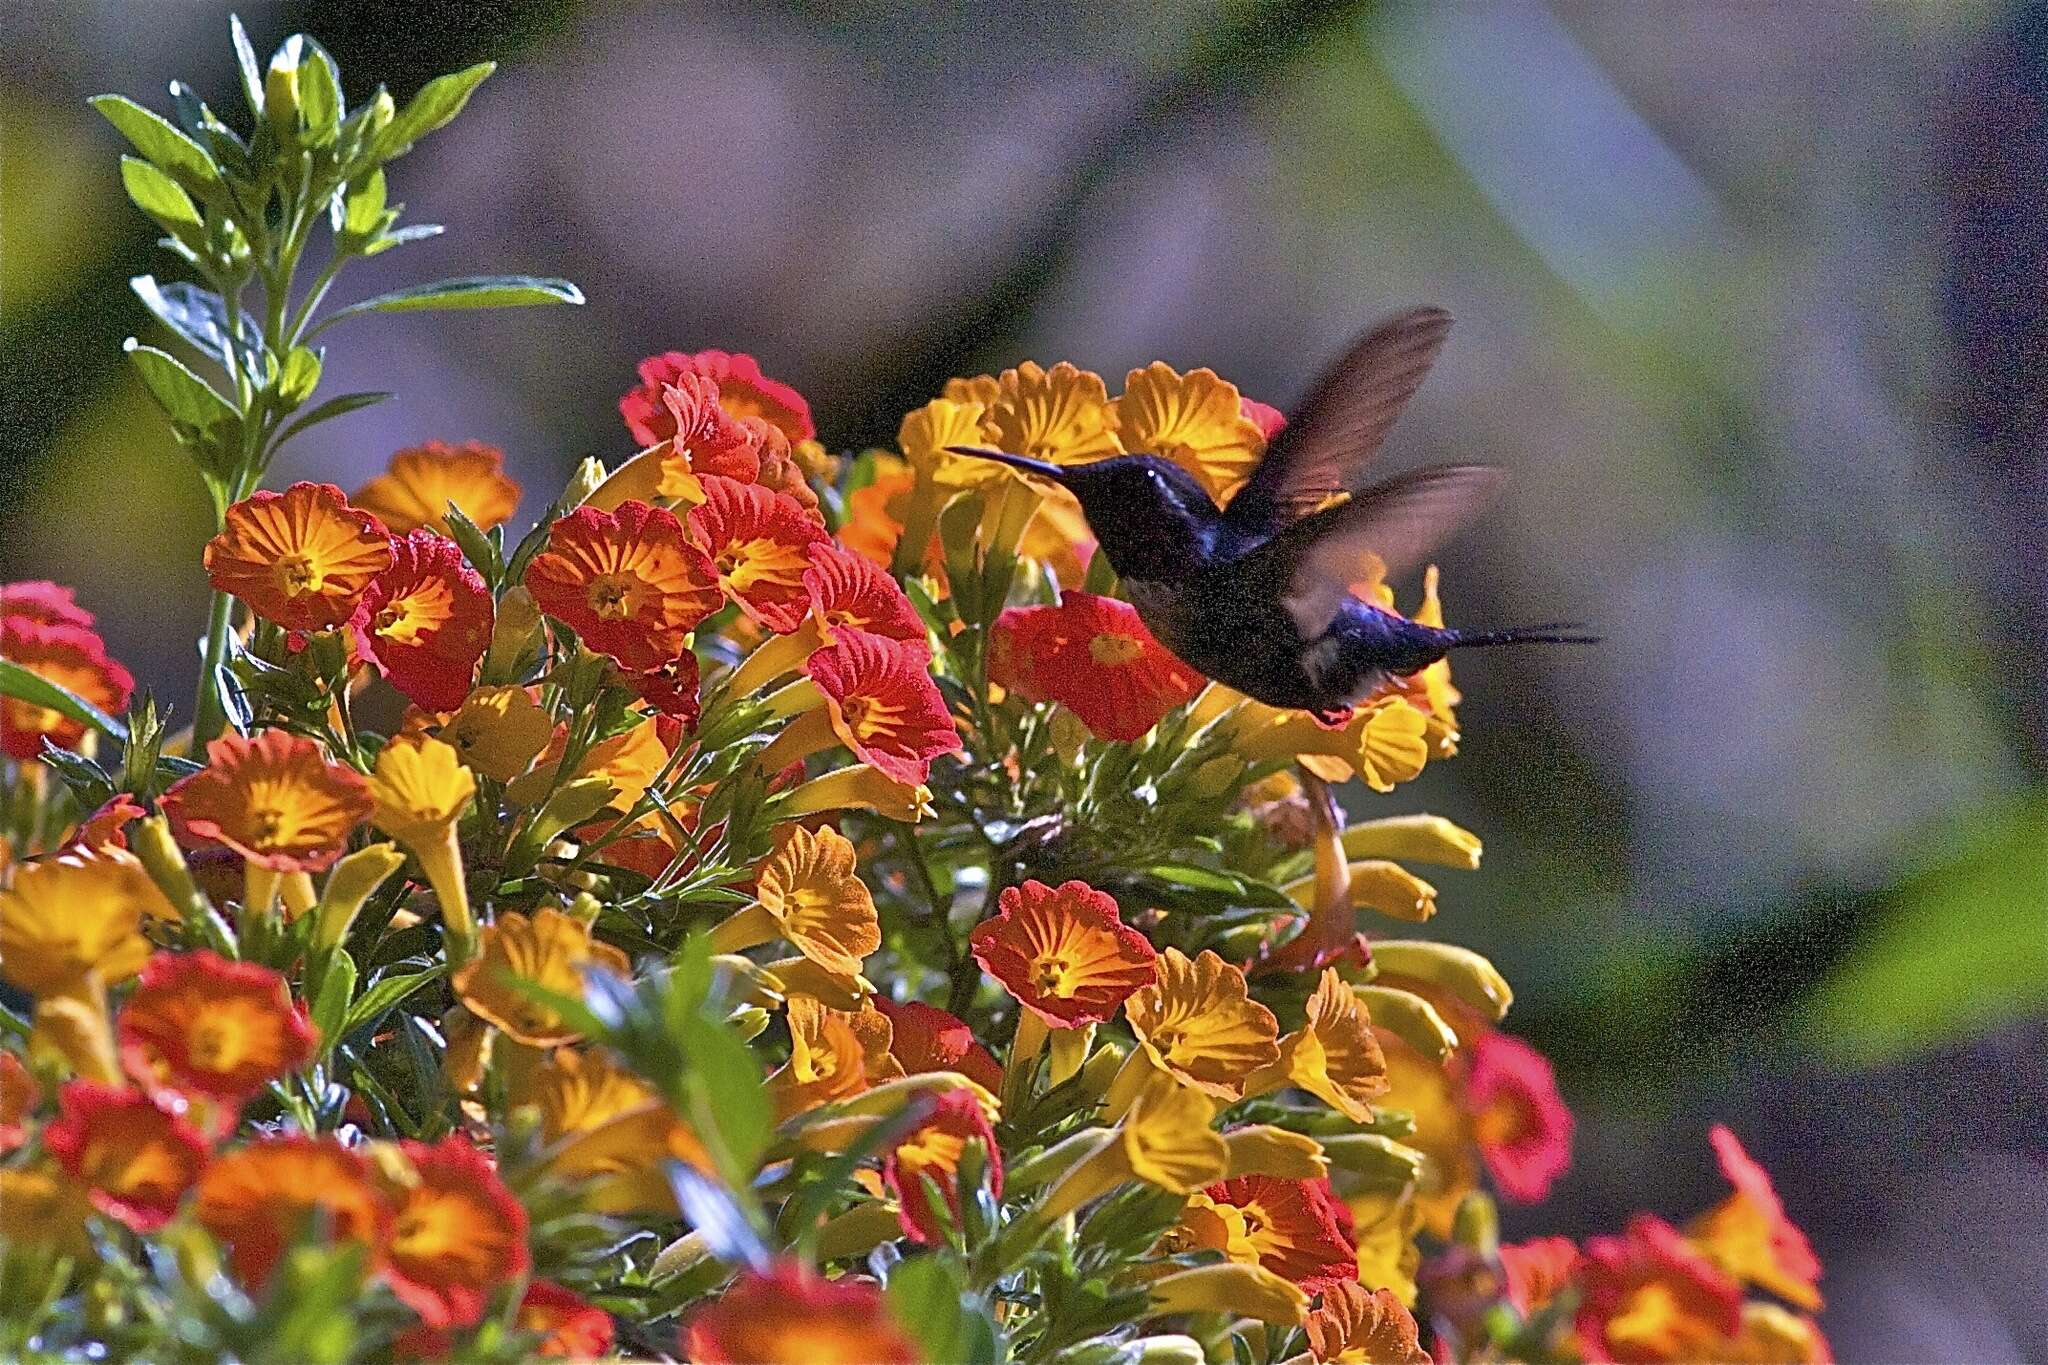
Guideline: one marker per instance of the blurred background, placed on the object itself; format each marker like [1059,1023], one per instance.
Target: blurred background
[1752,300]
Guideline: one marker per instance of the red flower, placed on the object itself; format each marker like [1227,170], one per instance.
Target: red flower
[926,1038]
[1094,656]
[19,1095]
[789,1314]
[301,558]
[426,620]
[1538,1270]
[630,583]
[71,656]
[848,592]
[107,827]
[456,1234]
[1648,1296]
[741,389]
[760,541]
[1269,420]
[1065,954]
[1296,1227]
[1749,1234]
[672,690]
[44,602]
[883,703]
[934,1149]
[568,1325]
[1521,1124]
[136,1160]
[203,1027]
[260,1199]
[274,799]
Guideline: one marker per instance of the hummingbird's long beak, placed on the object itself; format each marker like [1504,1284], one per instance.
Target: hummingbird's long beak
[1043,468]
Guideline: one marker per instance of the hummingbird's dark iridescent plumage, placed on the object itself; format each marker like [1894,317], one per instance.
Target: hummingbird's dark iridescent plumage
[1257,595]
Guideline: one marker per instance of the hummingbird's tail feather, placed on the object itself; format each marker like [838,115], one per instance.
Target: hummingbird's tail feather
[1547,633]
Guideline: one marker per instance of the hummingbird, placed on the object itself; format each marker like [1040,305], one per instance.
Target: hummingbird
[1258,594]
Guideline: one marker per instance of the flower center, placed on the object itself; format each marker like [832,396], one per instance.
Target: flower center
[1112,650]
[1648,1321]
[420,612]
[613,596]
[211,1045]
[297,575]
[1051,977]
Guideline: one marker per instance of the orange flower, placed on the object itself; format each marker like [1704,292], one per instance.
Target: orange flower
[1354,1325]
[1333,1055]
[137,1160]
[788,1314]
[74,658]
[456,1233]
[497,731]
[741,388]
[1294,1228]
[568,1325]
[422,480]
[933,1149]
[426,621]
[1064,954]
[1519,1121]
[259,1199]
[1061,414]
[925,1038]
[1772,1336]
[1095,657]
[274,799]
[630,583]
[807,892]
[76,917]
[1749,1235]
[833,1055]
[549,950]
[41,1206]
[202,1027]
[875,511]
[928,435]
[1647,1296]
[1537,1271]
[301,558]
[880,702]
[760,542]
[845,592]
[1195,420]
[19,1095]
[1197,1023]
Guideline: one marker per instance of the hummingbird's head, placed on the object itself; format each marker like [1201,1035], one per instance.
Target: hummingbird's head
[1152,518]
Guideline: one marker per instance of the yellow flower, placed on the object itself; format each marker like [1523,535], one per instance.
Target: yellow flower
[607,1127]
[72,917]
[1443,1132]
[926,434]
[833,1055]
[1435,680]
[1416,838]
[422,480]
[1383,743]
[549,950]
[1333,1055]
[628,762]
[421,789]
[1384,1224]
[1192,419]
[807,893]
[1376,884]
[859,788]
[1262,1149]
[1165,1141]
[1061,414]
[1197,1023]
[497,732]
[1240,1291]
[42,1206]
[1354,1325]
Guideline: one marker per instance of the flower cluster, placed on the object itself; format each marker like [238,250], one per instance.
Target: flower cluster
[773,906]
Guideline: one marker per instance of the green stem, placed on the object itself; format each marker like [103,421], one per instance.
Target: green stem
[208,715]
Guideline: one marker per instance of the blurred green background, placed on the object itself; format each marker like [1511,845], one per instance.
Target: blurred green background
[1751,304]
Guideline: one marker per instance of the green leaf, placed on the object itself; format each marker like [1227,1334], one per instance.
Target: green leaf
[197,315]
[417,232]
[22,685]
[727,1093]
[469,291]
[438,101]
[927,1295]
[157,195]
[483,556]
[320,101]
[387,994]
[245,61]
[159,140]
[339,406]
[362,205]
[301,375]
[331,1001]
[192,405]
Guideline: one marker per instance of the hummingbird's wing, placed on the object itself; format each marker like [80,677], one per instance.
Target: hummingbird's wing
[1396,522]
[1333,435]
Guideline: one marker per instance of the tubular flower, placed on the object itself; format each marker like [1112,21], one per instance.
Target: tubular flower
[1383,742]
[1244,1291]
[933,1149]
[426,620]
[630,583]
[880,702]
[1538,1270]
[497,731]
[833,1055]
[1333,1055]
[1648,1296]
[1061,415]
[421,789]
[420,482]
[1772,1336]
[1095,657]
[1354,1325]
[43,602]
[456,1232]
[137,1160]
[301,558]
[1439,696]
[608,1132]
[1195,420]
[19,1095]
[740,387]
[925,1038]
[1166,1141]
[787,1313]
[1198,1024]
[77,918]
[760,543]
[808,893]
[259,1199]
[43,1207]
[1384,1226]
[1268,419]
[1749,1235]
[74,658]
[628,762]
[1521,1125]
[568,1325]
[1294,1228]
[874,520]
[549,950]
[274,799]
[844,592]
[1063,953]
[202,1027]
[1443,1130]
